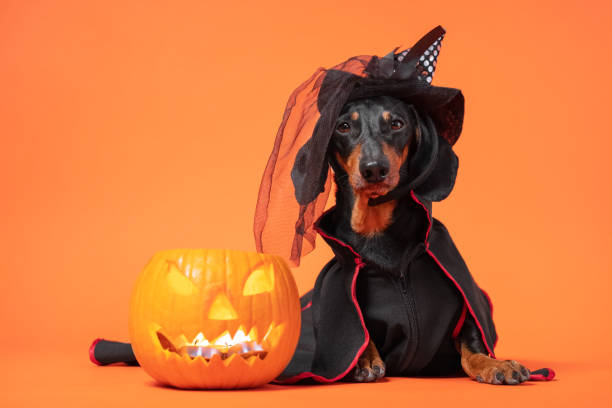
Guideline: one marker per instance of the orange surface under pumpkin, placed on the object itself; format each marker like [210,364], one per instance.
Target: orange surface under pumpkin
[214,318]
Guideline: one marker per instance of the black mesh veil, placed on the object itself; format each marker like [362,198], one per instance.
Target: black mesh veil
[297,179]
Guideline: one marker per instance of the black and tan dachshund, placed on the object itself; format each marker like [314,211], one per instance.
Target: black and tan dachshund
[370,152]
[411,314]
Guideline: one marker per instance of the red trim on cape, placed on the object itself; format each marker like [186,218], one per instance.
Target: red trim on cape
[431,254]
[358,264]
[307,306]
[491,308]
[92,349]
[460,322]
[541,377]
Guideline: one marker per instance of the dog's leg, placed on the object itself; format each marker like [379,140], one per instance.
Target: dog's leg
[370,366]
[482,368]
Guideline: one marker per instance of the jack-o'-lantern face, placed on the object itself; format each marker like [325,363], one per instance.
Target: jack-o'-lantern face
[214,318]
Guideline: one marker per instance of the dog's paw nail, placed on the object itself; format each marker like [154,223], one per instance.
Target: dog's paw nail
[515,375]
[499,376]
[512,381]
[479,379]
[376,370]
[525,372]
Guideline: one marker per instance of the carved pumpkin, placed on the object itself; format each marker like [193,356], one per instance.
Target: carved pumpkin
[214,318]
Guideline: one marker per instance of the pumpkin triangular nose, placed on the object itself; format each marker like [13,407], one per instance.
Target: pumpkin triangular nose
[222,309]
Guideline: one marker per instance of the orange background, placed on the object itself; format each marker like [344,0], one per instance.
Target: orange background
[130,127]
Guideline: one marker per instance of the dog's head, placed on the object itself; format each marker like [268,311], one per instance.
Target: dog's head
[385,148]
[372,141]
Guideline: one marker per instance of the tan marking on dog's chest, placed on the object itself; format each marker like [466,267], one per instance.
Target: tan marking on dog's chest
[371,220]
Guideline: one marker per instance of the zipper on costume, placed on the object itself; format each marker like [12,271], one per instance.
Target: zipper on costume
[411,312]
[403,284]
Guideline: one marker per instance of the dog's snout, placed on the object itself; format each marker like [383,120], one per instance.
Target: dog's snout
[374,171]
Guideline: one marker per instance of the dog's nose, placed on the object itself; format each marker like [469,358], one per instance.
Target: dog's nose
[374,171]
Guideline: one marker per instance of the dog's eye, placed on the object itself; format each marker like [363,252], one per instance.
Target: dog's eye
[343,127]
[397,124]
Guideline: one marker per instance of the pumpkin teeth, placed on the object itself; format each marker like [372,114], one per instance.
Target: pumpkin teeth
[224,347]
[270,328]
[211,332]
[273,336]
[223,339]
[277,334]
[251,360]
[199,340]
[227,361]
[262,329]
[216,362]
[234,326]
[253,334]
[240,336]
[197,360]
[181,340]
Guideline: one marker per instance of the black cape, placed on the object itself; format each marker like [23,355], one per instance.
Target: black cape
[412,316]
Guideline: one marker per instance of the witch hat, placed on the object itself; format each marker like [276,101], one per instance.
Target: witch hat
[297,179]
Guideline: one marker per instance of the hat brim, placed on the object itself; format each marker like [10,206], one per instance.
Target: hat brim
[444,105]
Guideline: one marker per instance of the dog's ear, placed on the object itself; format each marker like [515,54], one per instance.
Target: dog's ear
[311,167]
[434,163]
[307,183]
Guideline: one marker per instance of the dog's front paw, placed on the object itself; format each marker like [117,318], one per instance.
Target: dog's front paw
[368,370]
[507,372]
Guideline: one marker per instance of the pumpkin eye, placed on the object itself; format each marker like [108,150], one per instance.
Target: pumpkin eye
[397,124]
[261,280]
[180,283]
[343,127]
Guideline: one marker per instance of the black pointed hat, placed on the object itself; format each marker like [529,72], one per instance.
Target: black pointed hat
[297,179]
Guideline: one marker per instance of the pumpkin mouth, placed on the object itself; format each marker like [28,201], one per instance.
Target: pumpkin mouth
[242,343]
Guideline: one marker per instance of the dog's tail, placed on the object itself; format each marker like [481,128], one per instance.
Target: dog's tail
[105,352]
